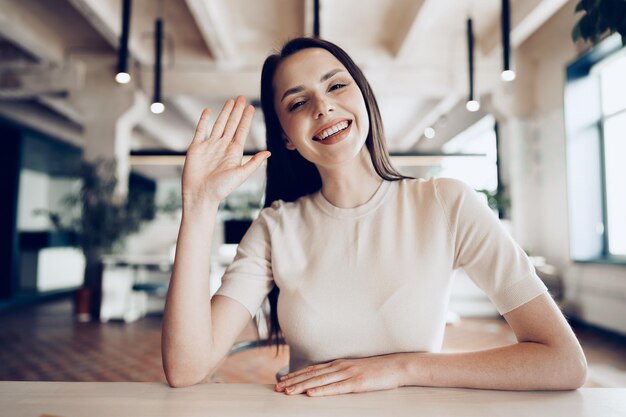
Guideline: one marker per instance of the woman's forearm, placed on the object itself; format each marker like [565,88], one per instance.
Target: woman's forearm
[187,331]
[522,366]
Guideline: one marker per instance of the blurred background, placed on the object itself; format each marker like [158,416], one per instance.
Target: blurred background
[525,100]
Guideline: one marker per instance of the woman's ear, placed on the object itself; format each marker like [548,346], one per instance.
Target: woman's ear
[287,142]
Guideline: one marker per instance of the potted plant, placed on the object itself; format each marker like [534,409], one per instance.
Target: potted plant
[498,200]
[600,18]
[99,217]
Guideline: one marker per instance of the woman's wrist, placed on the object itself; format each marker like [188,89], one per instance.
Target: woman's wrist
[411,369]
[199,206]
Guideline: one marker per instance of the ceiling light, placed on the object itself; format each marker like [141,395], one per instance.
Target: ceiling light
[429,133]
[507,75]
[157,107]
[472,105]
[123,76]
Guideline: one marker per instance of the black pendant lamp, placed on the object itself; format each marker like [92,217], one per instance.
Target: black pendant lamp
[157,106]
[123,76]
[316,18]
[472,104]
[507,73]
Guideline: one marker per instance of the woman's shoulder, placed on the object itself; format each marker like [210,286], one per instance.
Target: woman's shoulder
[432,186]
[280,208]
[442,190]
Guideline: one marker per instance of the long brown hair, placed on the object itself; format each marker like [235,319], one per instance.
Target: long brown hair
[289,175]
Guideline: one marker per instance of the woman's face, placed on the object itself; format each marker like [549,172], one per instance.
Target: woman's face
[320,107]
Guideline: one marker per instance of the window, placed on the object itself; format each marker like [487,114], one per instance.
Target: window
[595,116]
[613,98]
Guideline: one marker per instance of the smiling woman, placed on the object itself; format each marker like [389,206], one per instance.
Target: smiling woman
[356,259]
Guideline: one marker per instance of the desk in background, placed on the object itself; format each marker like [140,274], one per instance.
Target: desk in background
[121,399]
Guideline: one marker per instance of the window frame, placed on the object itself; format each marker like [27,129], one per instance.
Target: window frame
[581,226]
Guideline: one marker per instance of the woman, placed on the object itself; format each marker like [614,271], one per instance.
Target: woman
[362,256]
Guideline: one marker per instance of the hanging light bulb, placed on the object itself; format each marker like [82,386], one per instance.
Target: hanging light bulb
[429,133]
[507,73]
[123,76]
[157,106]
[472,103]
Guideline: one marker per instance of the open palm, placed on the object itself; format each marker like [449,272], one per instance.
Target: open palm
[213,166]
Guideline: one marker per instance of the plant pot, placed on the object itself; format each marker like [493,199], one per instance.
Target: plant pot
[82,304]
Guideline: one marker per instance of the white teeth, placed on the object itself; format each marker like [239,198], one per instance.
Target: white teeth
[333,129]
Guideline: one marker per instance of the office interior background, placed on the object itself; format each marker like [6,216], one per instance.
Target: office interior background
[538,127]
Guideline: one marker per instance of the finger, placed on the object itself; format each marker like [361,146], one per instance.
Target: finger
[222,118]
[234,118]
[305,370]
[244,126]
[201,127]
[342,387]
[312,379]
[254,163]
[313,373]
[317,382]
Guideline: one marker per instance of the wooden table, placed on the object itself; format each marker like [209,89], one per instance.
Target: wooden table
[121,399]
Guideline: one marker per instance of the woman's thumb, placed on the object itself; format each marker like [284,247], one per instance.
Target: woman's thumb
[255,162]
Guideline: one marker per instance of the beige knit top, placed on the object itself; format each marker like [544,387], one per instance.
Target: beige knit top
[375,279]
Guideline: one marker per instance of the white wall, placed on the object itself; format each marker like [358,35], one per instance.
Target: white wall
[536,146]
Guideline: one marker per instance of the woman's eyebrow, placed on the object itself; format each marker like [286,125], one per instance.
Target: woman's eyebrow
[300,88]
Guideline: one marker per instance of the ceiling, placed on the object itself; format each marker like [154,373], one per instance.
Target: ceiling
[412,51]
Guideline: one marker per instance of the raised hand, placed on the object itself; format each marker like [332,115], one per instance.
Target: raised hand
[213,166]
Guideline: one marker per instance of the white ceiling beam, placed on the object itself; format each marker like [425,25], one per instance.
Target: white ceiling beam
[527,17]
[62,106]
[22,80]
[24,29]
[209,18]
[407,29]
[107,20]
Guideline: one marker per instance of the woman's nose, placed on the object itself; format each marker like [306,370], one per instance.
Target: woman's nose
[323,106]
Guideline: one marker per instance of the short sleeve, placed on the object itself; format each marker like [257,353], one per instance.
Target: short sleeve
[485,250]
[248,279]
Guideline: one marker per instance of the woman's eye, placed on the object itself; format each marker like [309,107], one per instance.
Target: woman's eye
[336,86]
[296,105]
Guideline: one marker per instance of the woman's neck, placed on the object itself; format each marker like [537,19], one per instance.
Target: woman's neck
[350,185]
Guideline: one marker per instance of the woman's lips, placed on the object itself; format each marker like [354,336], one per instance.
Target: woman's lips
[330,126]
[337,137]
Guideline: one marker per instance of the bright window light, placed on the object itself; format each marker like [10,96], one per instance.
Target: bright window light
[615,174]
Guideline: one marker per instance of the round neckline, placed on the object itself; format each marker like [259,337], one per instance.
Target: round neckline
[370,205]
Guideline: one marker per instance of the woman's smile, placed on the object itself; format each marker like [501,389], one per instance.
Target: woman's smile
[337,131]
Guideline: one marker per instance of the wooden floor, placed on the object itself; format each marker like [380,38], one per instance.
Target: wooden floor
[45,343]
